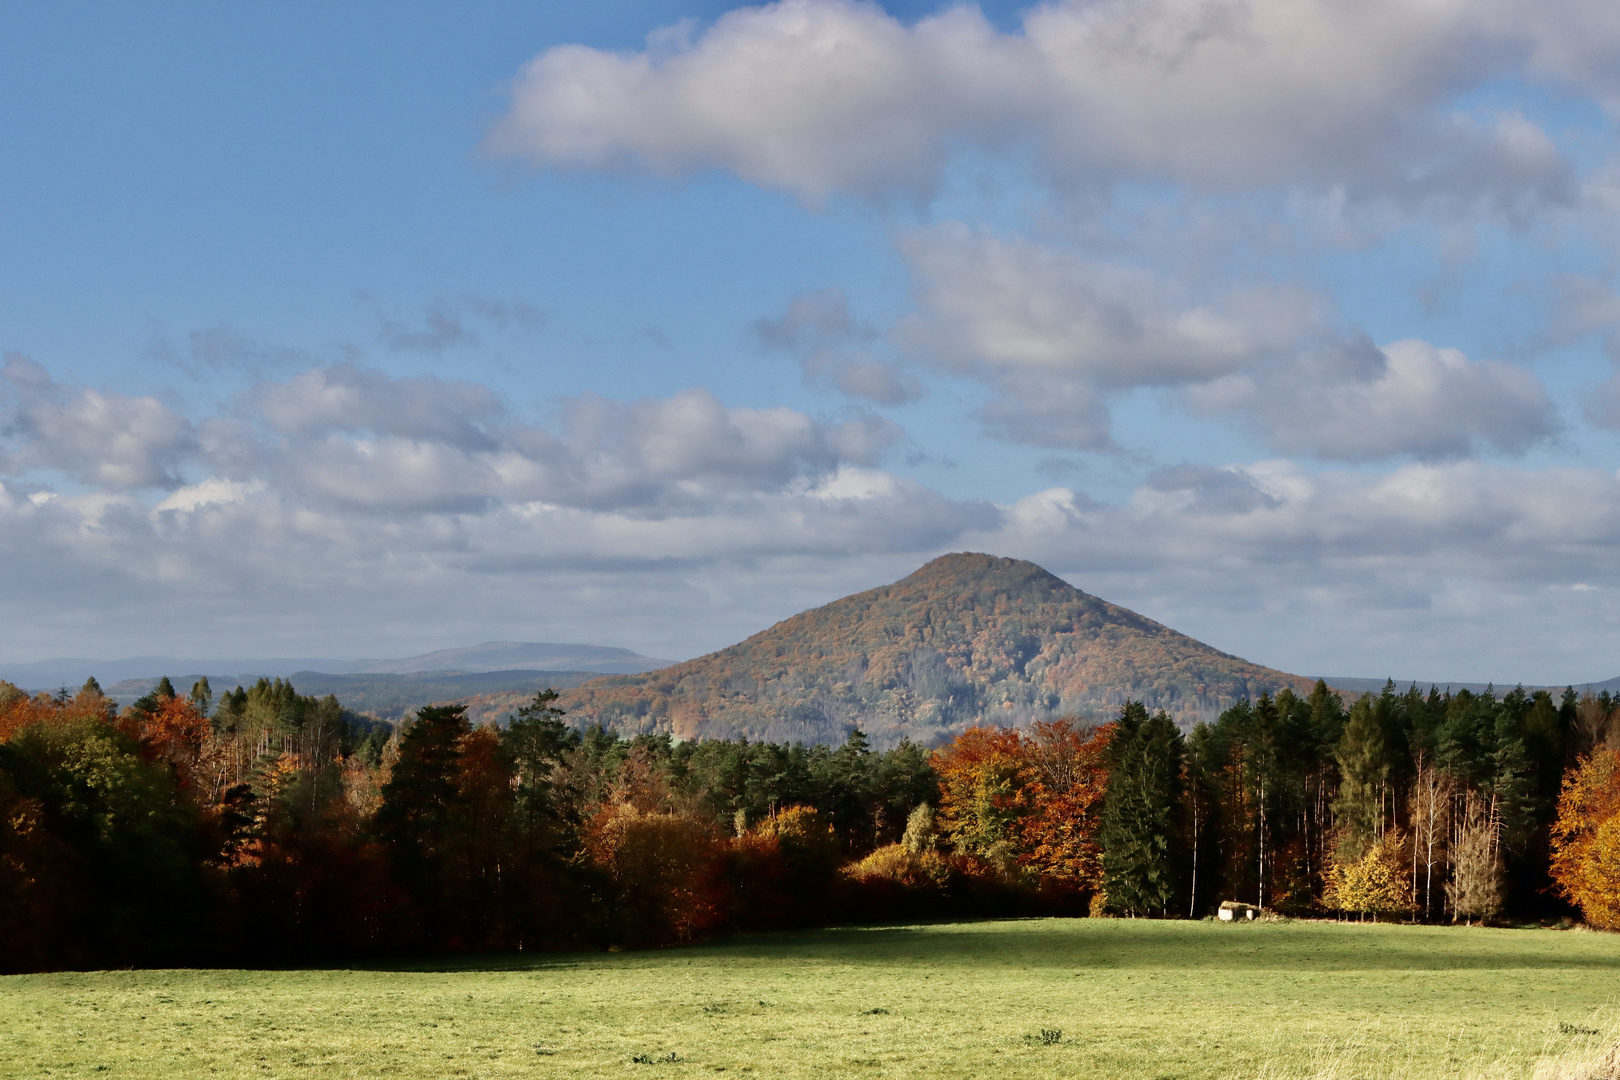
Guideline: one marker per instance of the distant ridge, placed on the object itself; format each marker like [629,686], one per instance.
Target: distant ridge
[491,656]
[967,639]
[516,655]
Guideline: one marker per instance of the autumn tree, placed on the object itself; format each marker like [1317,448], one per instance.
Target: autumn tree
[1586,838]
[1066,767]
[984,791]
[1373,884]
[1475,889]
[1429,811]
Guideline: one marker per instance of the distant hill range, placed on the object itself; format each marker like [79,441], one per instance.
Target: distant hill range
[491,656]
[517,655]
[1375,686]
[967,639]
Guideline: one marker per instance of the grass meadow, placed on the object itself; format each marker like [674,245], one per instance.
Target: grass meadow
[1131,999]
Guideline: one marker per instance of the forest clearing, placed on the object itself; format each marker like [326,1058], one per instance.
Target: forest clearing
[1085,998]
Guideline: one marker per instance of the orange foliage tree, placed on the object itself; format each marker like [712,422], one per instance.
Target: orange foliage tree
[984,783]
[1586,838]
[176,731]
[18,710]
[658,865]
[1033,796]
[1070,776]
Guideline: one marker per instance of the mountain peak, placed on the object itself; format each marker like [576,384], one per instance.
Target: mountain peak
[976,570]
[966,639]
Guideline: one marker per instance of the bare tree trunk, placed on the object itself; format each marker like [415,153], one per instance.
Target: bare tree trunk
[1192,904]
[1262,867]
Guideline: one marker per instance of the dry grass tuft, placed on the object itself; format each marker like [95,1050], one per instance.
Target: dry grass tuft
[1585,1051]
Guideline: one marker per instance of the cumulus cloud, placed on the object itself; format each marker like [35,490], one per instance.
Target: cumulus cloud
[817,97]
[1411,573]
[693,443]
[104,439]
[1056,334]
[349,437]
[1352,401]
[348,398]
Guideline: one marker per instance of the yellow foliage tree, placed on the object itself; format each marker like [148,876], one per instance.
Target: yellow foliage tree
[1586,838]
[1377,882]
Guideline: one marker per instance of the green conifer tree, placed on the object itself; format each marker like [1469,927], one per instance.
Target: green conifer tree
[1363,759]
[417,814]
[1139,830]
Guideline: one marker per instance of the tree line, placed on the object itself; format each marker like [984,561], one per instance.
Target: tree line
[274,827]
[1425,806]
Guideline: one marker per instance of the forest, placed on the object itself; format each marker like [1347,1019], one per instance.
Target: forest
[269,827]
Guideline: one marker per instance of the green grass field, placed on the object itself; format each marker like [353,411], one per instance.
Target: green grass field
[1132,999]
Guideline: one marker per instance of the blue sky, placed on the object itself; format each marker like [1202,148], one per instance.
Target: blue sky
[380,329]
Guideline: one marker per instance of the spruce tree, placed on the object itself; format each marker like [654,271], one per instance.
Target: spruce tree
[1363,759]
[1139,831]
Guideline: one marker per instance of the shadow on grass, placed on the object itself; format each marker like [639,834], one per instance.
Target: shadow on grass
[1077,944]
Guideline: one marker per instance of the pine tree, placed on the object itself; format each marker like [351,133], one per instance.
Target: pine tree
[539,741]
[416,817]
[202,695]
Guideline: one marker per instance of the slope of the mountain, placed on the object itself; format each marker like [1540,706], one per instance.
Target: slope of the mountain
[967,639]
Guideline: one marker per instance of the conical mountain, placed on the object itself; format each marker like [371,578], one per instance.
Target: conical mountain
[967,639]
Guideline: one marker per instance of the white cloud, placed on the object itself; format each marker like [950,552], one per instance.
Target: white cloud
[103,439]
[817,97]
[210,492]
[1350,401]
[988,304]
[1055,335]
[347,398]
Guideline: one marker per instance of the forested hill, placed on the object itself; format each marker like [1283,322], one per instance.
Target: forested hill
[967,639]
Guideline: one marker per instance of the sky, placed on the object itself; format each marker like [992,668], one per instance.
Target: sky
[372,329]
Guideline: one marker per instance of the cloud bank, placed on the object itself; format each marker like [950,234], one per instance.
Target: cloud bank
[356,499]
